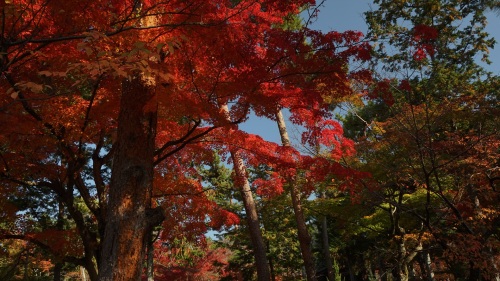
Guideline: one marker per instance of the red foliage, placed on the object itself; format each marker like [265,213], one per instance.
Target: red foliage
[64,65]
[423,32]
[382,90]
[187,261]
[423,37]
[404,85]
[269,187]
[224,218]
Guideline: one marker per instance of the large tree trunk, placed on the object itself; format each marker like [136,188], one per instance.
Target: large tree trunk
[259,248]
[128,219]
[303,233]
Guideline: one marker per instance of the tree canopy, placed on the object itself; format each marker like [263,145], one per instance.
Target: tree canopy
[120,144]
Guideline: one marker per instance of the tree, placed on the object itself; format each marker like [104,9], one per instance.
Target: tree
[428,135]
[279,230]
[107,96]
[303,234]
[241,180]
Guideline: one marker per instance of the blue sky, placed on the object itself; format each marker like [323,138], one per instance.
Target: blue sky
[342,15]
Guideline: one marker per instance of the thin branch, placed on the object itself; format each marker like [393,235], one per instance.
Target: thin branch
[184,193]
[180,140]
[69,259]
[91,102]
[186,142]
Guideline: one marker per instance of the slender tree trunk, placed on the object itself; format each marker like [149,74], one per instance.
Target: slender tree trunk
[428,266]
[326,246]
[495,267]
[128,218]
[57,271]
[303,233]
[404,258]
[371,276]
[59,225]
[90,268]
[259,247]
[474,273]
[83,274]
[304,237]
[411,272]
[150,270]
[402,268]
[351,270]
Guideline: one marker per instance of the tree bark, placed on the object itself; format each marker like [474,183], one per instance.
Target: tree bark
[303,233]
[83,274]
[150,270]
[402,267]
[128,219]
[259,247]
[326,249]
[59,225]
[350,269]
[57,271]
[474,273]
[428,266]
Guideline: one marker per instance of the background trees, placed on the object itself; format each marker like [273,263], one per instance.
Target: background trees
[431,136]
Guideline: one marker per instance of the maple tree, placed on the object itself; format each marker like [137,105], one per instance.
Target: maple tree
[113,101]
